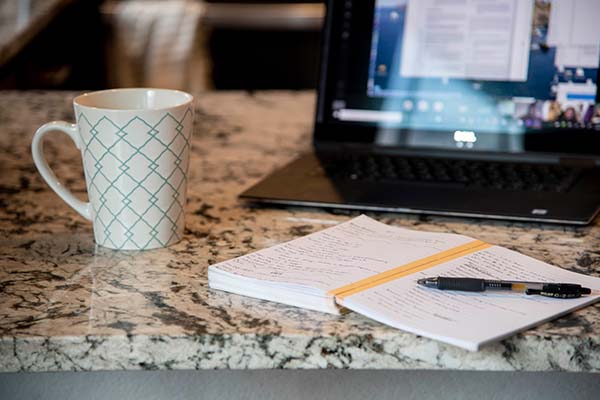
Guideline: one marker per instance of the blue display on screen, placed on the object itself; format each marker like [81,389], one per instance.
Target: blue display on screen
[495,66]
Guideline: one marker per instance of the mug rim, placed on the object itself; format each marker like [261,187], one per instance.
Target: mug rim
[188,96]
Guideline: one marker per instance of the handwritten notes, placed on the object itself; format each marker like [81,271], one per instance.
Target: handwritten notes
[302,272]
[340,255]
[468,319]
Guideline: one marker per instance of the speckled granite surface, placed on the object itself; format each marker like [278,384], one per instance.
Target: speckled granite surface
[66,305]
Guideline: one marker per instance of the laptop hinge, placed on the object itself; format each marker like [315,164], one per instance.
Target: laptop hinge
[572,161]
[580,162]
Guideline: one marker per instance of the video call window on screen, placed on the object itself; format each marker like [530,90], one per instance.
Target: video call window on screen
[498,65]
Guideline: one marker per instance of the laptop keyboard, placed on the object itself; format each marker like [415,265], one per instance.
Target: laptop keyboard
[452,172]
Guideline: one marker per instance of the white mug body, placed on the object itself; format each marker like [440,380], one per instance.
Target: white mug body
[135,145]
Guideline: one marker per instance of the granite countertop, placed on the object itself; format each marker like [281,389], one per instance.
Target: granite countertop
[68,305]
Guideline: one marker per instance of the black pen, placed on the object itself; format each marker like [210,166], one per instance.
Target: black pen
[556,290]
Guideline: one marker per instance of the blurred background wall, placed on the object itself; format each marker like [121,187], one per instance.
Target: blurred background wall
[183,44]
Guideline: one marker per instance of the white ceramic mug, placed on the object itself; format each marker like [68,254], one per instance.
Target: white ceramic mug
[135,145]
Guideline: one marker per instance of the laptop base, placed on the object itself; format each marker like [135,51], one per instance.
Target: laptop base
[313,187]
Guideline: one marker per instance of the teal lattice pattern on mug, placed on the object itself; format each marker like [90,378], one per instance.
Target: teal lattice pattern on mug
[137,175]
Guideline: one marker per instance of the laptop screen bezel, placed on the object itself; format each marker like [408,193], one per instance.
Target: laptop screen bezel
[327,131]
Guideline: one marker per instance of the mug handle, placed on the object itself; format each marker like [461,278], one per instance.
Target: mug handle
[37,150]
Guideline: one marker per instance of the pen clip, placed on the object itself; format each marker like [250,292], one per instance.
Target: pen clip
[558,291]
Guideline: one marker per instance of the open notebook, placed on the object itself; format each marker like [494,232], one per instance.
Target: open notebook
[372,268]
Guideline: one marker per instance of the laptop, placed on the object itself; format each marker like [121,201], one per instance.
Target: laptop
[485,109]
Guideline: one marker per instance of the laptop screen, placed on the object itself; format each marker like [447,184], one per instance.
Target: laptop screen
[465,66]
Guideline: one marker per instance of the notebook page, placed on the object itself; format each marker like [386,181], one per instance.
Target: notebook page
[465,319]
[339,255]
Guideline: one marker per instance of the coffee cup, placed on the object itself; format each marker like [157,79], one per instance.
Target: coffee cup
[135,148]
